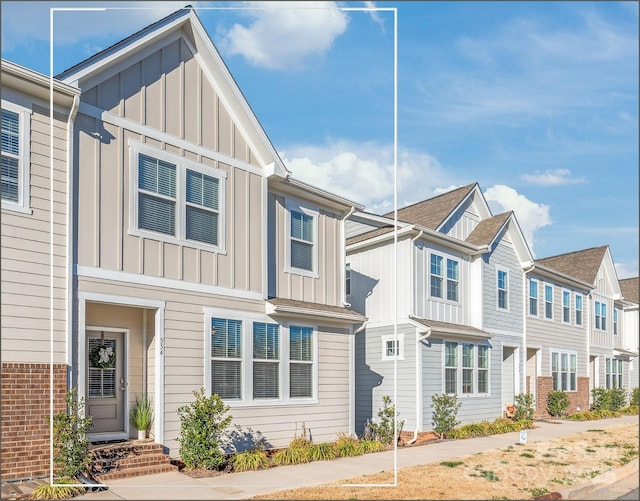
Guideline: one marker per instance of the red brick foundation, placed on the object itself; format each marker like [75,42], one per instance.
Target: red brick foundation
[25,417]
[577,399]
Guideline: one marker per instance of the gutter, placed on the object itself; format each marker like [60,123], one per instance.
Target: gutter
[419,338]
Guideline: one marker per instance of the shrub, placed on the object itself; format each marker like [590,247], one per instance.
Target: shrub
[485,428]
[322,452]
[634,401]
[254,459]
[368,446]
[599,399]
[557,403]
[612,399]
[202,425]
[617,399]
[631,410]
[59,490]
[348,446]
[384,431]
[524,406]
[71,446]
[295,455]
[445,410]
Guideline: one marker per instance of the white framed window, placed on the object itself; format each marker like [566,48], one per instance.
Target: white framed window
[466,368]
[301,362]
[601,315]
[548,301]
[347,279]
[175,199]
[503,289]
[615,321]
[452,279]
[566,307]
[392,347]
[226,358]
[437,284]
[16,125]
[302,240]
[613,373]
[533,297]
[436,275]
[266,360]
[564,370]
[579,310]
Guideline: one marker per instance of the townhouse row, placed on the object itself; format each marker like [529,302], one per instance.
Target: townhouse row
[147,212]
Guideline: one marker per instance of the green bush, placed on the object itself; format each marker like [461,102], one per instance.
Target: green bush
[384,431]
[348,446]
[599,399]
[557,403]
[631,410]
[322,452]
[612,399]
[254,459]
[524,406]
[445,409]
[617,399]
[295,455]
[70,443]
[594,414]
[59,490]
[368,446]
[485,428]
[634,401]
[202,425]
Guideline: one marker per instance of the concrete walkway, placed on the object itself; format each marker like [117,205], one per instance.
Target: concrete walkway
[177,486]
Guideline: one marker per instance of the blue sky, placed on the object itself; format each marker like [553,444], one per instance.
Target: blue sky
[536,101]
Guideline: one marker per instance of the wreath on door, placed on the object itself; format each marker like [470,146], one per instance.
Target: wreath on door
[102,357]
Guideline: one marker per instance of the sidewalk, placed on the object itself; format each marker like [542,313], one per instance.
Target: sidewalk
[177,486]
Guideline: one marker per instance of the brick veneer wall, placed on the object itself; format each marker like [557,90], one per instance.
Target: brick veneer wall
[25,417]
[577,399]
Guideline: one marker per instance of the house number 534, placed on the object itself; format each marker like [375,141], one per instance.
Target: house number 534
[161,346]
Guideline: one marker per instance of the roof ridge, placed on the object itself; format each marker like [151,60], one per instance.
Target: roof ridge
[573,252]
[469,186]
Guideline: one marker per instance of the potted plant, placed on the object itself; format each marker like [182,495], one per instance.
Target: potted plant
[142,416]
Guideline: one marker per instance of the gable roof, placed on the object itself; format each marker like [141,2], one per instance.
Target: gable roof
[583,264]
[630,288]
[185,23]
[431,213]
[487,229]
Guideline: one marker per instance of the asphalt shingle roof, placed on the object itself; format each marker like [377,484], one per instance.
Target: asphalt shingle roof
[583,264]
[487,229]
[630,288]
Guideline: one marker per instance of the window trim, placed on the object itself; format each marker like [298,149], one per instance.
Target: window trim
[460,368]
[600,316]
[548,286]
[581,309]
[23,205]
[400,346]
[182,165]
[569,354]
[566,309]
[444,277]
[616,325]
[613,374]
[298,206]
[506,308]
[537,298]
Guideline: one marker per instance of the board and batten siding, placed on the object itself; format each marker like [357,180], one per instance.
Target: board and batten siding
[27,256]
[326,288]
[463,221]
[375,376]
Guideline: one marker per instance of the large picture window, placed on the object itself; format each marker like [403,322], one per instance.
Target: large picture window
[466,368]
[564,370]
[613,373]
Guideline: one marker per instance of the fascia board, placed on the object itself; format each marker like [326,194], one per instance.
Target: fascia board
[30,82]
[561,277]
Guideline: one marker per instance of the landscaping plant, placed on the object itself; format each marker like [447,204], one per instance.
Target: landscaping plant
[445,410]
[617,399]
[634,401]
[70,443]
[142,414]
[291,455]
[384,431]
[59,490]
[322,452]
[557,403]
[202,425]
[524,406]
[254,459]
[368,446]
[348,446]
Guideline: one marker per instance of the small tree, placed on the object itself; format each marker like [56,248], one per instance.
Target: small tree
[557,403]
[617,399]
[524,407]
[202,425]
[70,443]
[600,399]
[634,401]
[445,410]
[383,431]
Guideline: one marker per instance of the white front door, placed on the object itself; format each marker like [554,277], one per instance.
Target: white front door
[106,383]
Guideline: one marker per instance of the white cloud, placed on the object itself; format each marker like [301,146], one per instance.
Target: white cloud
[627,269]
[283,34]
[363,172]
[374,14]
[531,216]
[552,177]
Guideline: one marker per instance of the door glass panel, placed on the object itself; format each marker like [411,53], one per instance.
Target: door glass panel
[102,368]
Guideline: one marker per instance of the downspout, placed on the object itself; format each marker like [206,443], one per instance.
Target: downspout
[145,375]
[343,295]
[344,254]
[418,339]
[525,302]
[69,264]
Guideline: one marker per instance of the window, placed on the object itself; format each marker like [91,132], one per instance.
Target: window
[503,289]
[578,309]
[436,275]
[392,347]
[601,315]
[302,237]
[300,362]
[175,199]
[564,370]
[471,376]
[566,306]
[548,301]
[15,157]
[615,321]
[613,373]
[266,358]
[226,358]
[347,279]
[451,367]
[452,280]
[533,298]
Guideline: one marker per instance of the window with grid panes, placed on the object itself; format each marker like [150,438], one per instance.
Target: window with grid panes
[566,306]
[300,362]
[450,367]
[266,360]
[10,156]
[226,358]
[468,365]
[301,240]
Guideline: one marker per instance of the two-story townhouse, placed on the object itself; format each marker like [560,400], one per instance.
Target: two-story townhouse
[195,257]
[629,328]
[557,325]
[446,320]
[608,367]
[34,317]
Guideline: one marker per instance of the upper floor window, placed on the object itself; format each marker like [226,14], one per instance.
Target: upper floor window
[503,289]
[347,279]
[601,315]
[15,157]
[302,238]
[578,309]
[563,370]
[176,200]
[548,301]
[437,279]
[566,306]
[533,298]
[615,321]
